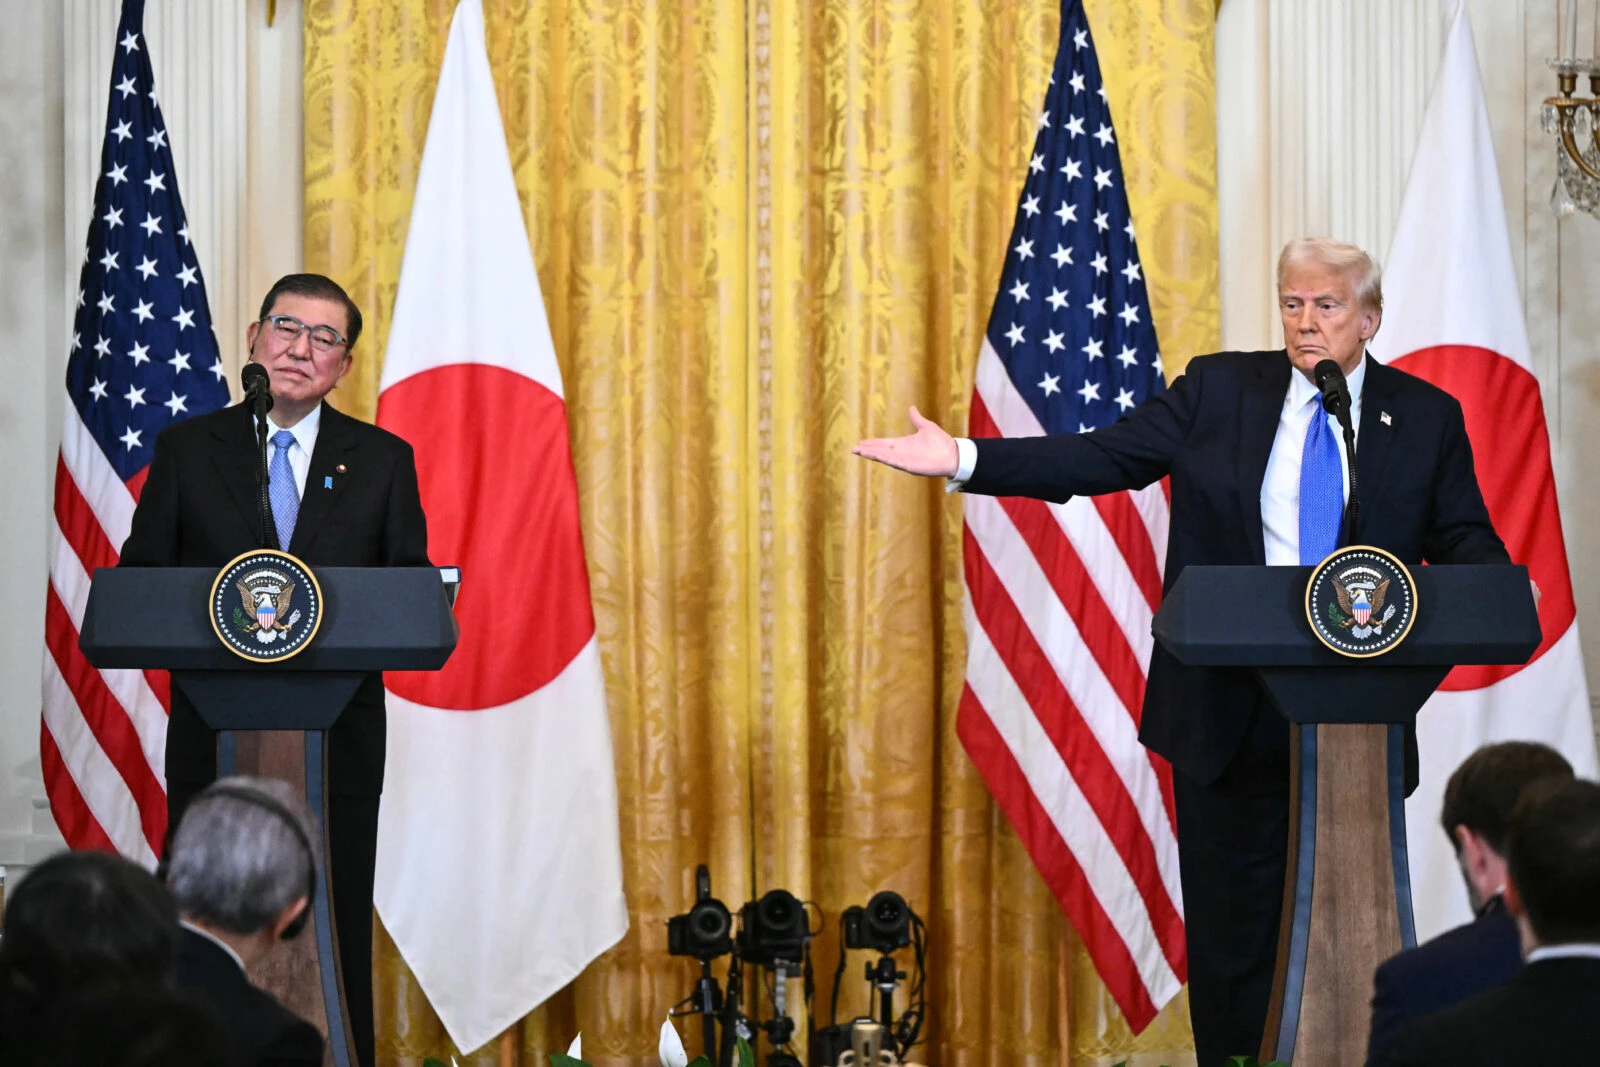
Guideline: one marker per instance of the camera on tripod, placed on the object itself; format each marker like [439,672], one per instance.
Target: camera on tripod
[705,931]
[773,931]
[882,926]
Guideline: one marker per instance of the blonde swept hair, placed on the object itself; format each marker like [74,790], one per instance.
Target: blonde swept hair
[1341,256]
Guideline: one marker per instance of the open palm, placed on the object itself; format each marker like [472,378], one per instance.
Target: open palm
[928,451]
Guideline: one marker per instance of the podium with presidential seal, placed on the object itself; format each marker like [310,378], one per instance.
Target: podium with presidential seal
[1348,651]
[270,653]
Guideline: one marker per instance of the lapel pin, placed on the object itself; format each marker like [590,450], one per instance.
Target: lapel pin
[1383,417]
[341,467]
[327,482]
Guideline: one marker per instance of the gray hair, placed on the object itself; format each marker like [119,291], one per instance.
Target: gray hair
[234,863]
[1352,262]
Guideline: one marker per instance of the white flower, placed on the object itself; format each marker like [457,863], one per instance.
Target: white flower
[671,1048]
[575,1050]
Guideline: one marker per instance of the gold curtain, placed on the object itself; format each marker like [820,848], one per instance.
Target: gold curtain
[764,228]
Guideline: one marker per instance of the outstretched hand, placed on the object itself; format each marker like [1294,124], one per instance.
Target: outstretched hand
[928,451]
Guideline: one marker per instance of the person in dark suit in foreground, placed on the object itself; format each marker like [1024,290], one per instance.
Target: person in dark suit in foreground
[344,494]
[87,962]
[1257,477]
[1460,963]
[1549,1013]
[242,869]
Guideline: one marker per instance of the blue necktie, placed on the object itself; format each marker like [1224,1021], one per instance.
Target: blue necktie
[286,498]
[1321,490]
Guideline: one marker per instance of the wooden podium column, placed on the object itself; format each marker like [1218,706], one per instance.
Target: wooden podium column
[1347,896]
[304,973]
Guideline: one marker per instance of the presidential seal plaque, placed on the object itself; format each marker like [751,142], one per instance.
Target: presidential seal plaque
[266,606]
[1361,601]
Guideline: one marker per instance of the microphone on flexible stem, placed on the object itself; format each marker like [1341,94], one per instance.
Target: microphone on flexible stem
[258,401]
[1336,401]
[258,389]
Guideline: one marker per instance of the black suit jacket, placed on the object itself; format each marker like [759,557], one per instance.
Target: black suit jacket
[1454,966]
[1549,1013]
[198,509]
[1212,432]
[261,1031]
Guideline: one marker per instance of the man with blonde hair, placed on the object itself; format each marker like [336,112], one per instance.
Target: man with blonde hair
[1257,477]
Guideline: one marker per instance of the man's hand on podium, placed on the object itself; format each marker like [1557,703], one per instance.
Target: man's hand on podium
[928,451]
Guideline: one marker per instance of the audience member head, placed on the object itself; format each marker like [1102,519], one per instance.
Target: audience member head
[1553,851]
[82,922]
[1478,801]
[241,865]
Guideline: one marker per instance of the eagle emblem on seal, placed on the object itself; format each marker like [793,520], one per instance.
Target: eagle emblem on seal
[1360,592]
[268,597]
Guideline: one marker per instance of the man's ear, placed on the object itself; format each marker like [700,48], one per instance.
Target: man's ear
[1513,899]
[1371,319]
[346,363]
[250,333]
[288,915]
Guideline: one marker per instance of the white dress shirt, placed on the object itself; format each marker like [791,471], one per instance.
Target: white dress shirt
[1578,949]
[305,441]
[1280,488]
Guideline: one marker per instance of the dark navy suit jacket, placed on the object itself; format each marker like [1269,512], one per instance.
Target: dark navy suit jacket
[1457,964]
[1212,432]
[1547,1015]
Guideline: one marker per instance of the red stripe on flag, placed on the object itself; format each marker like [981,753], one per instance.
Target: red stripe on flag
[1117,511]
[76,822]
[1062,721]
[89,543]
[78,523]
[107,720]
[1055,861]
[135,483]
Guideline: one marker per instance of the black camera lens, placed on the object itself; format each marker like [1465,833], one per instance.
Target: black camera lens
[709,923]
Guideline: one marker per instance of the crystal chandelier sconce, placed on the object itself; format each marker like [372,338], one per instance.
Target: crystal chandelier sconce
[1575,122]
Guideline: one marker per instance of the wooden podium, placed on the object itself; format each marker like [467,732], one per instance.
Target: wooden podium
[273,717]
[1347,897]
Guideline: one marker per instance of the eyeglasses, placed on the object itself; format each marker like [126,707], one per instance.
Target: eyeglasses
[286,328]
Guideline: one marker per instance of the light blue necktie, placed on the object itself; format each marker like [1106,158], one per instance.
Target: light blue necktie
[286,499]
[1321,490]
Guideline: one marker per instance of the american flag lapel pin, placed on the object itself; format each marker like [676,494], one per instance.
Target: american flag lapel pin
[1383,417]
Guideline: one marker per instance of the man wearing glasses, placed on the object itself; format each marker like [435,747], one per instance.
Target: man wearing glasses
[343,494]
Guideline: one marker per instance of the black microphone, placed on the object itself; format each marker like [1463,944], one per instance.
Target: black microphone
[258,400]
[257,389]
[1335,391]
[1336,401]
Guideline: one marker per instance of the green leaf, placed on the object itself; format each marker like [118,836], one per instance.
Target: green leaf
[561,1059]
[746,1057]
[700,1061]
[430,1061]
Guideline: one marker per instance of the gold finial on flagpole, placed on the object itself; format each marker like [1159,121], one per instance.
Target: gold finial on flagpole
[272,11]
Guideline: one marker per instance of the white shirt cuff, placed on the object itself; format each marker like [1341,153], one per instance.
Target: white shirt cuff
[966,460]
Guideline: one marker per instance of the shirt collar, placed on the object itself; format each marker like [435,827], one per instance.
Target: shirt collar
[215,940]
[305,431]
[1556,952]
[1302,389]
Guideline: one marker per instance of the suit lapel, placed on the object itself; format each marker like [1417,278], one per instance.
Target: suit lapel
[237,460]
[1375,438]
[1259,411]
[330,471]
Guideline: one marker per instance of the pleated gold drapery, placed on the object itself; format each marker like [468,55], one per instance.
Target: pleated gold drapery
[764,228]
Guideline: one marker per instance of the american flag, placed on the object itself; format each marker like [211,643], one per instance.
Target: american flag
[143,356]
[1060,597]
